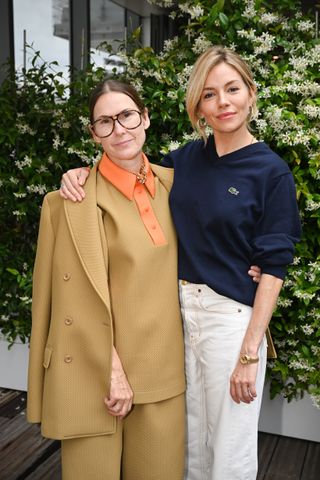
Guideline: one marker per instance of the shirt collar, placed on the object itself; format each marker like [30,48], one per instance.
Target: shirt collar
[124,180]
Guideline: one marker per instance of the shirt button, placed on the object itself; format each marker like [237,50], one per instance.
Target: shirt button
[153,227]
[146,210]
[68,359]
[139,190]
[66,277]
[68,321]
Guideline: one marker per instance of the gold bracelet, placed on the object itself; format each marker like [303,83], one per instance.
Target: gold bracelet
[247,360]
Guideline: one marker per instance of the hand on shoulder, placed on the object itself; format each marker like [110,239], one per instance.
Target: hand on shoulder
[72,182]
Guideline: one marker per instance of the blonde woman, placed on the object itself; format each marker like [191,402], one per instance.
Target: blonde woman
[233,204]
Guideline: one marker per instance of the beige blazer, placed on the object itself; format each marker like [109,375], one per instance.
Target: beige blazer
[70,289]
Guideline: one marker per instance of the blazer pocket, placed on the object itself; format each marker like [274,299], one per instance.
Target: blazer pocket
[47,357]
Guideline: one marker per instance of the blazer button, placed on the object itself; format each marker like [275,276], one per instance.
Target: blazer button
[66,277]
[68,321]
[68,359]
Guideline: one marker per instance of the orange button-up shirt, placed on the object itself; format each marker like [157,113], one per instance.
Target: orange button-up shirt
[126,182]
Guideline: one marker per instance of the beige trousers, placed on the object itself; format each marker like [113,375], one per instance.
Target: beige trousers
[148,445]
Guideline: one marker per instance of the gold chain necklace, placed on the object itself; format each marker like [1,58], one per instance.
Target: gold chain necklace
[142,174]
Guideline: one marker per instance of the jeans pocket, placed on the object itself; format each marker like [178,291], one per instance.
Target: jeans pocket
[221,305]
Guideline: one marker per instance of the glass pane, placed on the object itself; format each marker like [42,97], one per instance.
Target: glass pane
[107,25]
[133,22]
[44,24]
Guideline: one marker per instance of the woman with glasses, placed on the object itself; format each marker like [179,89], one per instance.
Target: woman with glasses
[233,203]
[106,371]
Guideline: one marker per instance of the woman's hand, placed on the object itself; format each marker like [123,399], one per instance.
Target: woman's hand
[71,184]
[255,273]
[119,400]
[243,383]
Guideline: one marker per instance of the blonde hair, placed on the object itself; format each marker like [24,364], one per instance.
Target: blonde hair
[204,64]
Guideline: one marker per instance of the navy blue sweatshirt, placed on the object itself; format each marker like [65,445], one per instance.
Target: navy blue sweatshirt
[231,212]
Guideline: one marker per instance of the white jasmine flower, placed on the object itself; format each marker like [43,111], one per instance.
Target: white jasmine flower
[24,128]
[299,63]
[264,43]
[201,44]
[184,75]
[26,162]
[305,26]
[57,142]
[315,399]
[284,302]
[40,189]
[84,121]
[301,364]
[20,195]
[250,34]
[172,94]
[312,205]
[42,169]
[137,83]
[173,146]
[269,18]
[249,11]
[17,213]
[303,295]
[191,136]
[170,44]
[307,329]
[311,111]
[195,11]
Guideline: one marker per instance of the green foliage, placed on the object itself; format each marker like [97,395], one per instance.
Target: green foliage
[43,132]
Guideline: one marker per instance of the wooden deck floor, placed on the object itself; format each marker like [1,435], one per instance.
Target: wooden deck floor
[25,455]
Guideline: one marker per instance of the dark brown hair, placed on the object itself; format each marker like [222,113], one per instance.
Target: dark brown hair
[107,86]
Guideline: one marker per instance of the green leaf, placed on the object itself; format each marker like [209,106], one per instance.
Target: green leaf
[224,21]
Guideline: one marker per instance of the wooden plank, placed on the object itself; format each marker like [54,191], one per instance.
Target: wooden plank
[287,460]
[16,405]
[267,444]
[7,395]
[49,469]
[311,467]
[21,446]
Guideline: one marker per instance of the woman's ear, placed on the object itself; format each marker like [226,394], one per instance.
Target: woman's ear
[253,94]
[94,136]
[145,119]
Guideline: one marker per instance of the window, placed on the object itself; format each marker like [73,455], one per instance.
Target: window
[43,24]
[107,26]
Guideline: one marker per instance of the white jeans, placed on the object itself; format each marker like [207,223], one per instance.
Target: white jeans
[221,434]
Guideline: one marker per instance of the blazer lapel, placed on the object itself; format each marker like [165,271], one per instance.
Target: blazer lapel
[164,174]
[83,222]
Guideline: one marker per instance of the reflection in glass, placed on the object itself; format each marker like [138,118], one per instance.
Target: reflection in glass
[107,25]
[43,24]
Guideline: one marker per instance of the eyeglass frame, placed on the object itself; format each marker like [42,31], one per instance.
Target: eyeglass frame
[114,118]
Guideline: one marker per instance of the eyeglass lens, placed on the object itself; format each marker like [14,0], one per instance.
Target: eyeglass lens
[128,119]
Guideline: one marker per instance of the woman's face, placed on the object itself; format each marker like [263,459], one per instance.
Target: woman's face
[225,100]
[122,144]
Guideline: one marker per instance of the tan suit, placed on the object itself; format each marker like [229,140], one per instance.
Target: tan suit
[72,329]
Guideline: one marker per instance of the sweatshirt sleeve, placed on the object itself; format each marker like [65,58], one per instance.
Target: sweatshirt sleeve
[167,161]
[278,229]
